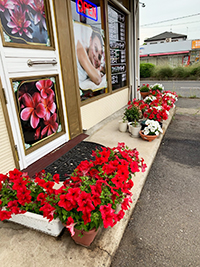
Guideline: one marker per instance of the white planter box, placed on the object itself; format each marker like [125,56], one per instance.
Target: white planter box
[38,222]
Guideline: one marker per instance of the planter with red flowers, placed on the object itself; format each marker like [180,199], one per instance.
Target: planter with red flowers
[21,200]
[89,199]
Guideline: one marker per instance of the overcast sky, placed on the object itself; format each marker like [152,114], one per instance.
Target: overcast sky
[156,11]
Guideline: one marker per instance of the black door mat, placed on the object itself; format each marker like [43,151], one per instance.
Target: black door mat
[66,164]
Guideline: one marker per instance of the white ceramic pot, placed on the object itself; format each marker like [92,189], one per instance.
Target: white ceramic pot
[38,222]
[134,130]
[123,126]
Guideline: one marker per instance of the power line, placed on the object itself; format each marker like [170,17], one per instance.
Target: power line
[177,24]
[162,21]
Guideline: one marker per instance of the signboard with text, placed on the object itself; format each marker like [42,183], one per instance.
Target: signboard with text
[117,47]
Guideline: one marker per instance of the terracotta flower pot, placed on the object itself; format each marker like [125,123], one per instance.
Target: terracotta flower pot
[87,237]
[147,137]
[144,94]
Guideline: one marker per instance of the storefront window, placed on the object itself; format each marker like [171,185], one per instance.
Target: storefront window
[117,39]
[24,22]
[37,103]
[89,47]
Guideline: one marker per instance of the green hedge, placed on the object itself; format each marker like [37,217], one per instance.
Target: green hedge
[148,70]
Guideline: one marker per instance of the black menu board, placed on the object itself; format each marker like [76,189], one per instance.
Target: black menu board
[117,40]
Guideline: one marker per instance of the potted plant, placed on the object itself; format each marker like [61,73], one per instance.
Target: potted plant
[123,125]
[132,112]
[157,113]
[151,130]
[134,128]
[97,194]
[20,201]
[157,88]
[144,90]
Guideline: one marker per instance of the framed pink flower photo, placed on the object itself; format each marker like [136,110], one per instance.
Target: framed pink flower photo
[38,109]
[25,22]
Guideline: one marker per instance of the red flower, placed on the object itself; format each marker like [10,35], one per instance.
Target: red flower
[14,174]
[5,215]
[19,183]
[40,181]
[65,203]
[13,206]
[108,215]
[41,197]
[48,211]
[3,177]
[96,199]
[125,204]
[23,196]
[37,133]
[85,203]
[44,86]
[56,178]
[134,166]
[70,225]
[49,105]
[102,156]
[72,195]
[84,167]
[49,187]
[51,125]
[117,180]
[120,215]
[33,109]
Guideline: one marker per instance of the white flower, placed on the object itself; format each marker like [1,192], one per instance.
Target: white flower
[153,127]
[149,98]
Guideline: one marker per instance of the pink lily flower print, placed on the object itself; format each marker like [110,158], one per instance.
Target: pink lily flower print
[44,86]
[34,109]
[38,7]
[51,126]
[5,4]
[18,22]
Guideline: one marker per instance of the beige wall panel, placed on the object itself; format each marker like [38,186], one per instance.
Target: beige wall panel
[100,109]
[6,156]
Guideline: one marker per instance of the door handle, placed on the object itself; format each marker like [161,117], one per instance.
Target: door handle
[30,62]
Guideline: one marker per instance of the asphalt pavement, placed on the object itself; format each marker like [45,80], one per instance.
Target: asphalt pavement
[164,229]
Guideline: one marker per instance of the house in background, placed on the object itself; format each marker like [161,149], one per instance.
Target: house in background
[167,48]
[49,94]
